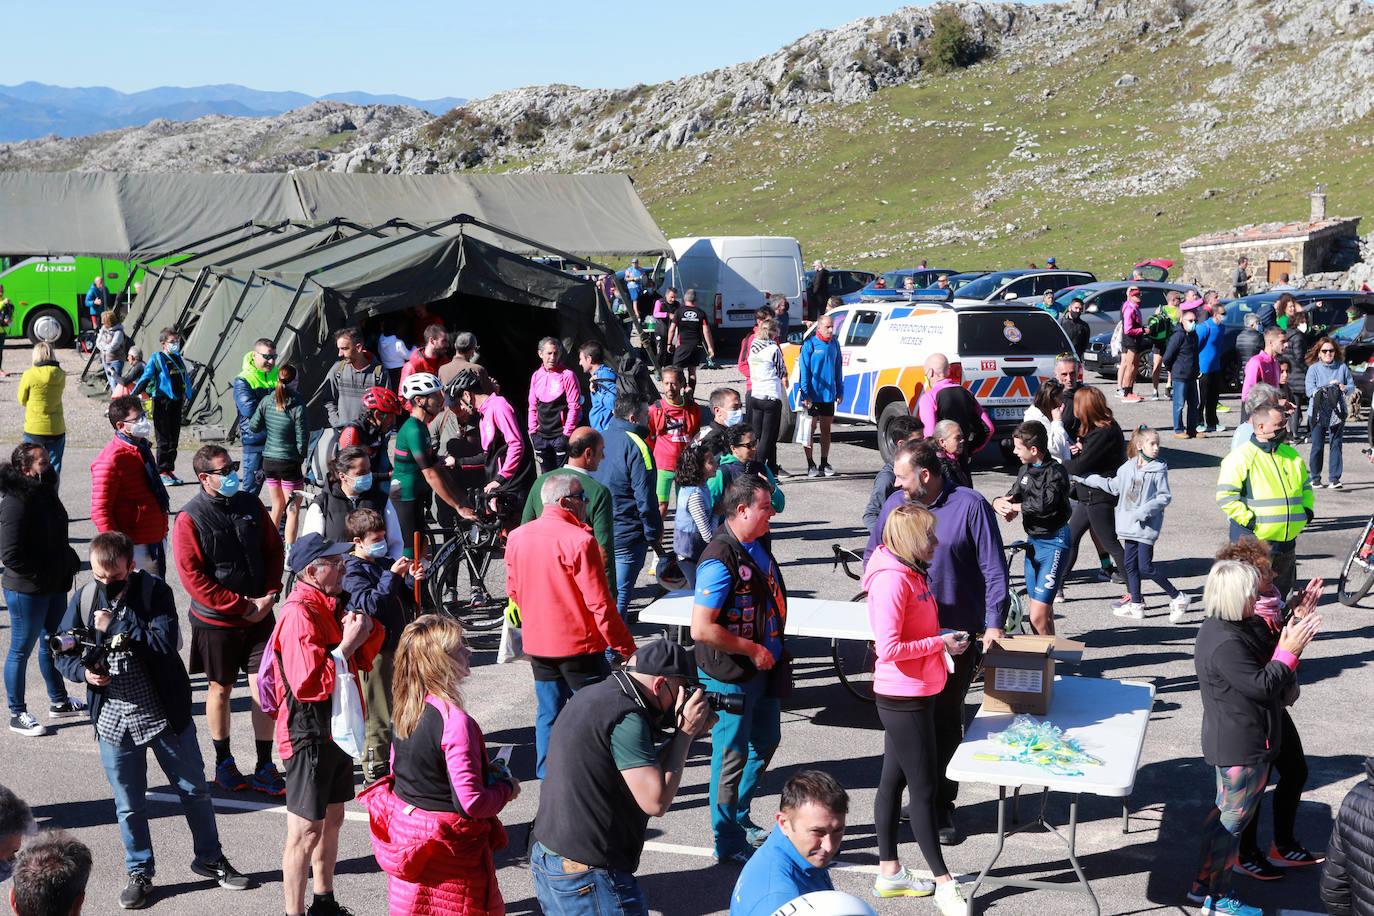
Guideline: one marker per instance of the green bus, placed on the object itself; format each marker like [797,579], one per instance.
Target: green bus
[55,287]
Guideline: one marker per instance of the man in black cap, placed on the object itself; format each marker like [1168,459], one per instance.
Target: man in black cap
[319,775]
[605,778]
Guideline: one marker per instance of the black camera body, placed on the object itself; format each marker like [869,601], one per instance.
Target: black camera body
[93,647]
[732,703]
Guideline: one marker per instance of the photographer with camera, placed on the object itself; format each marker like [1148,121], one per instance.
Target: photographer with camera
[737,621]
[119,636]
[589,829]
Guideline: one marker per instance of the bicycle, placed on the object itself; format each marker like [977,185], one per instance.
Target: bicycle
[1357,575]
[476,600]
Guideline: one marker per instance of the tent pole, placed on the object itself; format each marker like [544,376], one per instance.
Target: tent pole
[228,325]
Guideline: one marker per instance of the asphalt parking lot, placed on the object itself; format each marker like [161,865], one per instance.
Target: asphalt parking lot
[1146,869]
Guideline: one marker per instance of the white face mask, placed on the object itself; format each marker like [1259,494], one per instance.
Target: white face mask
[141,428]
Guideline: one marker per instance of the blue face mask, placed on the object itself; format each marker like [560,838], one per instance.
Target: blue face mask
[174,347]
[376,550]
[362,483]
[229,484]
[734,417]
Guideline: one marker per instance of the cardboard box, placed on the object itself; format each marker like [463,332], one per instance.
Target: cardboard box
[1018,672]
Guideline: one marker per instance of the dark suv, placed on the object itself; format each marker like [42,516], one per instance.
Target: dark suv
[1022,286]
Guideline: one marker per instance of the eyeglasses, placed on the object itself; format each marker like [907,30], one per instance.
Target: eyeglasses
[748,445]
[580,497]
[229,468]
[1325,350]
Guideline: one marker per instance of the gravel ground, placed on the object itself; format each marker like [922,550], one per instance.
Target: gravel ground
[1147,868]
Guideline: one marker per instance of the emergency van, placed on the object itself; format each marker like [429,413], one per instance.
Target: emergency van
[1000,353]
[735,274]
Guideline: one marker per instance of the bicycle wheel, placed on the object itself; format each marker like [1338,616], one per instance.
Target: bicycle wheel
[1357,575]
[471,597]
[854,660]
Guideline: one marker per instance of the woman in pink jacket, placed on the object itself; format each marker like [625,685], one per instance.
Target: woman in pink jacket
[912,663]
[554,406]
[433,820]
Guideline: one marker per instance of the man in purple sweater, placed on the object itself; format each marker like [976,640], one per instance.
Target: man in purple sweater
[968,578]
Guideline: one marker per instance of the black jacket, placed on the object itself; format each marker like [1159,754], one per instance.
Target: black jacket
[1043,492]
[1248,343]
[1295,346]
[1180,354]
[154,630]
[1077,329]
[33,536]
[1242,693]
[1347,885]
[1104,451]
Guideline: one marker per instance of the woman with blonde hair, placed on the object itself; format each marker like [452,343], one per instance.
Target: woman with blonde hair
[909,672]
[434,824]
[40,391]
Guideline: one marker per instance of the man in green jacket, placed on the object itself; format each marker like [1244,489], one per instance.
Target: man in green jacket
[586,448]
[1265,490]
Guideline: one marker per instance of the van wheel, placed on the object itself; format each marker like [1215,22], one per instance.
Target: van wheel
[891,412]
[38,326]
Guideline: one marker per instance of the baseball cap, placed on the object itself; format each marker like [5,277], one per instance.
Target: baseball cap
[661,657]
[1049,260]
[310,547]
[1132,289]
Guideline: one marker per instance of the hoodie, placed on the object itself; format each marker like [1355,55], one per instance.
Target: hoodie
[1142,492]
[906,629]
[34,547]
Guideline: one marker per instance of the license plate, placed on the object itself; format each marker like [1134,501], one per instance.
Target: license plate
[1091,356]
[1008,413]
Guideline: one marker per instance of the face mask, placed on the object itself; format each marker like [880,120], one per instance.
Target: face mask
[734,417]
[362,483]
[1188,325]
[228,484]
[376,550]
[114,587]
[141,428]
[174,348]
[1280,434]
[1303,327]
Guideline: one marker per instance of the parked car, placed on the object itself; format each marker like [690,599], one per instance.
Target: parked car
[1102,301]
[959,281]
[895,280]
[843,281]
[1357,340]
[1025,286]
[1155,270]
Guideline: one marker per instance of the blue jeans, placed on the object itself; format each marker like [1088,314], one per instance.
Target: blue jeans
[112,373]
[126,767]
[251,470]
[1320,433]
[32,616]
[741,747]
[1186,417]
[1140,565]
[629,560]
[552,695]
[590,892]
[55,445]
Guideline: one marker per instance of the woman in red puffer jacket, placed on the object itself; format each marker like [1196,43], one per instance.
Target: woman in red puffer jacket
[434,824]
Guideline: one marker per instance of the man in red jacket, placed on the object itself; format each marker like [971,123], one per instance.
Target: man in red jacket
[127,494]
[555,576]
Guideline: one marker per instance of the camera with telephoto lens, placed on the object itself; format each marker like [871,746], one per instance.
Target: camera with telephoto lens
[732,703]
[92,646]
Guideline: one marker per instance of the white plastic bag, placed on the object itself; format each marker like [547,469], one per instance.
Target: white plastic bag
[512,648]
[347,724]
[801,428]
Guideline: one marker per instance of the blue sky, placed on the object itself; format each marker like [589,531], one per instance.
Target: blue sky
[419,48]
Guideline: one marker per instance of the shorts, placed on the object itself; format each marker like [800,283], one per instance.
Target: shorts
[222,653]
[318,774]
[282,475]
[1046,562]
[1159,346]
[665,484]
[687,357]
[1134,344]
[818,409]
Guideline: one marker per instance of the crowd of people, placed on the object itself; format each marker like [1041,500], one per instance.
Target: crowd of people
[583,482]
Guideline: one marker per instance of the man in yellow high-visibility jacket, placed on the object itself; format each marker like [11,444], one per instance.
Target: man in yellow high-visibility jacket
[1265,490]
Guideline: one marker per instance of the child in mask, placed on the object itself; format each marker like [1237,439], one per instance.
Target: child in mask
[1040,496]
[383,589]
[1142,490]
[166,378]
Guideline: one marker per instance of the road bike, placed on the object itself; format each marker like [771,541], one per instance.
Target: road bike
[463,581]
[1357,575]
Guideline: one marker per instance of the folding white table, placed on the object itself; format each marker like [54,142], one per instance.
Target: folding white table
[1107,717]
[805,616]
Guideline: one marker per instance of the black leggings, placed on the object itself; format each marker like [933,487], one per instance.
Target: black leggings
[1291,765]
[1209,387]
[765,415]
[1102,519]
[910,762]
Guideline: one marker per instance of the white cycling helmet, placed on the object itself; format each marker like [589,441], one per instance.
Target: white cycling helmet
[421,383]
[825,903]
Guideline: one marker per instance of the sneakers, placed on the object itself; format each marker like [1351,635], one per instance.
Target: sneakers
[1182,435]
[1292,856]
[1228,906]
[228,777]
[827,470]
[1179,607]
[320,907]
[1197,893]
[1257,867]
[1131,397]
[25,724]
[1111,574]
[1222,408]
[905,883]
[170,480]
[228,877]
[739,857]
[266,780]
[1334,485]
[1120,603]
[1132,609]
[67,709]
[813,471]
[949,897]
[755,836]
[135,893]
[1155,396]
[1217,428]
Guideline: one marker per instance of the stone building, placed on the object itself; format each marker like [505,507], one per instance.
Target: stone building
[1297,249]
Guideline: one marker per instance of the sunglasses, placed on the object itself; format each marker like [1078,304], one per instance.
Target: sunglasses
[229,468]
[268,357]
[580,497]
[1325,350]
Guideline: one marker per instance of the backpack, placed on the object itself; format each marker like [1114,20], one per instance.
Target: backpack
[378,375]
[1160,325]
[633,378]
[268,690]
[86,602]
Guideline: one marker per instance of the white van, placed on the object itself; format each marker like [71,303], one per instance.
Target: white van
[735,274]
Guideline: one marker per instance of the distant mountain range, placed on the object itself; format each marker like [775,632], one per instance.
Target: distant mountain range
[32,110]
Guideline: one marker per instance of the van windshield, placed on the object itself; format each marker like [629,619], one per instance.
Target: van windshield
[1007,333]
